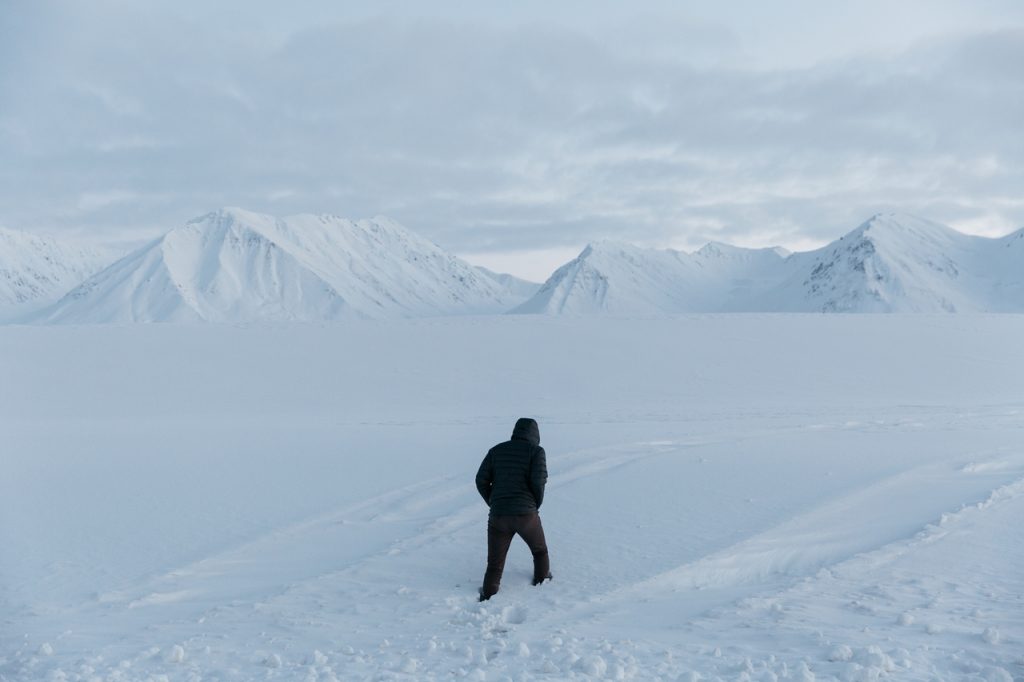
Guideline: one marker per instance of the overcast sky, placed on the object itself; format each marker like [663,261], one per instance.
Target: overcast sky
[515,133]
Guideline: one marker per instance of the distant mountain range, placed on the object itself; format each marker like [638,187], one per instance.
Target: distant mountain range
[891,263]
[234,265]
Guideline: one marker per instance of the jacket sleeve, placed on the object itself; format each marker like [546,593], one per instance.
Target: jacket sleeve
[484,479]
[538,475]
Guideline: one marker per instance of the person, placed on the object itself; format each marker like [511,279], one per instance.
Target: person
[511,480]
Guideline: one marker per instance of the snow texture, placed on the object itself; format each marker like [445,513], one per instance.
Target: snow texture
[732,497]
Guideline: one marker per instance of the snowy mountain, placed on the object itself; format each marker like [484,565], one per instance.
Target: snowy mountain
[900,263]
[236,266]
[611,277]
[891,263]
[37,269]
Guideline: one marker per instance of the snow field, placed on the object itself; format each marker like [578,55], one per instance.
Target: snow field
[731,497]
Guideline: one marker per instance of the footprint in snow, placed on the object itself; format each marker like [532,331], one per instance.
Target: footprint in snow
[513,615]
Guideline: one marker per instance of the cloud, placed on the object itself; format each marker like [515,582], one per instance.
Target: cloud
[490,138]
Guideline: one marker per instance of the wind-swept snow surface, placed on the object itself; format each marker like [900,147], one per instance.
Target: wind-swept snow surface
[738,497]
[238,266]
[891,263]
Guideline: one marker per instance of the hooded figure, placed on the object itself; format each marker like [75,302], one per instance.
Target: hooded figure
[511,480]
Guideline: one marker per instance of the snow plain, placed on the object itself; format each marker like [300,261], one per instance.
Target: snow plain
[734,497]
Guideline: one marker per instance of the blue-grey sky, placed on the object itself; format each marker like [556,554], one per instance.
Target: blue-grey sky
[514,133]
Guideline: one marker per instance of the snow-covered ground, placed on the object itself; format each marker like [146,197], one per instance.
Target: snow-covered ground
[735,497]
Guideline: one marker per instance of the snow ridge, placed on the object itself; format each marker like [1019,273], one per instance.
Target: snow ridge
[234,265]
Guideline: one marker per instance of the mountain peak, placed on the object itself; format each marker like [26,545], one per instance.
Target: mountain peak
[897,223]
[234,265]
[227,214]
[714,249]
[609,246]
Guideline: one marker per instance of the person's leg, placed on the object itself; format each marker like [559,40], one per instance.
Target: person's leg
[532,532]
[499,537]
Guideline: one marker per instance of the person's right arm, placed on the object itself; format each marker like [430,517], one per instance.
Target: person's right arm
[485,479]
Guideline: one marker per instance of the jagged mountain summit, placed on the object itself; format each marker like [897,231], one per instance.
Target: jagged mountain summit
[891,263]
[234,265]
[36,269]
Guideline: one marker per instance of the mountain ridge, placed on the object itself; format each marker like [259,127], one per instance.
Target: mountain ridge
[892,262]
[36,269]
[235,265]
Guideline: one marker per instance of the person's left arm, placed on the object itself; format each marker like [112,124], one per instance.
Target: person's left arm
[538,475]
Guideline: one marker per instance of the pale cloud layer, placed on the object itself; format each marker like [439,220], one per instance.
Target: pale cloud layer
[513,133]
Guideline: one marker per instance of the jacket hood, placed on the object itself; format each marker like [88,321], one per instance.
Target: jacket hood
[527,429]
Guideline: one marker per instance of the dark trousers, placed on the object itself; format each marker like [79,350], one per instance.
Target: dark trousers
[500,530]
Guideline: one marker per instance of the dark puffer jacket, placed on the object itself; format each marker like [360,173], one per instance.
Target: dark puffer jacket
[512,477]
